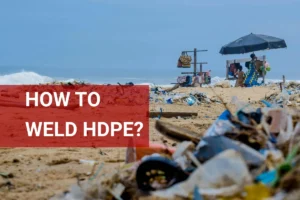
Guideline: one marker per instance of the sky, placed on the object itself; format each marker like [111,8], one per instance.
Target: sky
[140,40]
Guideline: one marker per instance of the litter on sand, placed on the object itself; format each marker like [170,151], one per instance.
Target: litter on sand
[252,154]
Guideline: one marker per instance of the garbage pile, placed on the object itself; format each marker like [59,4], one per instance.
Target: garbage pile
[194,98]
[251,155]
[66,83]
[289,96]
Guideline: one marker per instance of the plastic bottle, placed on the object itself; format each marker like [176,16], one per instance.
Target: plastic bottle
[240,105]
[191,100]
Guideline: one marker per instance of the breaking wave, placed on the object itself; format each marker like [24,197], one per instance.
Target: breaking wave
[26,77]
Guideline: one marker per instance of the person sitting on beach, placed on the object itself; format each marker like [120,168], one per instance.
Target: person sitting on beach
[241,76]
[208,81]
[201,77]
[232,70]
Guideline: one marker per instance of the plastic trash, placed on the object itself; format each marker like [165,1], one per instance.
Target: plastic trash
[212,146]
[191,100]
[268,104]
[89,162]
[225,115]
[283,97]
[267,178]
[169,101]
[153,148]
[241,106]
[213,180]
[219,127]
[160,114]
[158,173]
[197,195]
[257,192]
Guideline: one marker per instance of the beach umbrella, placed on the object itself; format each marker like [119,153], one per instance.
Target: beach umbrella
[251,43]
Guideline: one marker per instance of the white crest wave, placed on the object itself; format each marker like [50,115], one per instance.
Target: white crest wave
[25,77]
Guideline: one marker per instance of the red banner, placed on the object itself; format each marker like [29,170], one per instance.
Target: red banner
[74,116]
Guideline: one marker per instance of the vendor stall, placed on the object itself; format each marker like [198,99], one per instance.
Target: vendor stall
[257,67]
[231,65]
[185,61]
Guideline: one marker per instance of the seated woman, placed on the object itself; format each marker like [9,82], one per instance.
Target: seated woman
[184,81]
[232,70]
[241,76]
[188,81]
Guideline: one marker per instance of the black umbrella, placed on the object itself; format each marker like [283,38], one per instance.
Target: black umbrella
[251,43]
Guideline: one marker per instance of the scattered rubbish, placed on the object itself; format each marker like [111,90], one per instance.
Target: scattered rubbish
[213,180]
[97,172]
[191,100]
[60,161]
[211,146]
[88,162]
[172,114]
[179,98]
[169,101]
[158,173]
[6,175]
[250,154]
[289,96]
[223,84]
[197,195]
[176,133]
[257,192]
[117,191]
[153,148]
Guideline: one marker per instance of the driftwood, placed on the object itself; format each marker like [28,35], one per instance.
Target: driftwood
[176,133]
[173,88]
[172,114]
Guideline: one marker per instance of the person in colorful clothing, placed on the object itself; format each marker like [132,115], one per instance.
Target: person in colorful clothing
[252,74]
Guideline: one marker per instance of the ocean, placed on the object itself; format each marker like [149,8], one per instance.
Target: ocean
[29,77]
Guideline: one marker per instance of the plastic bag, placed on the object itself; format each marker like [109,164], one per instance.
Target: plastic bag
[241,106]
[213,180]
[219,127]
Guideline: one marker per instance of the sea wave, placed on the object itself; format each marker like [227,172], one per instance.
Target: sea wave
[26,77]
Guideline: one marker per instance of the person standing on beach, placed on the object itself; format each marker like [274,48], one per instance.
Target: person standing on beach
[252,74]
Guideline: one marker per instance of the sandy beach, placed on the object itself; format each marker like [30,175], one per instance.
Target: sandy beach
[43,172]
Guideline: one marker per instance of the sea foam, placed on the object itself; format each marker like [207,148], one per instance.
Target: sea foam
[26,77]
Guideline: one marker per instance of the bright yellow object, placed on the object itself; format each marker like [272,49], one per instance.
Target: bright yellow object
[257,192]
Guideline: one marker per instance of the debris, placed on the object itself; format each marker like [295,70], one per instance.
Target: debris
[6,175]
[223,84]
[117,191]
[153,148]
[88,162]
[211,146]
[185,149]
[250,154]
[175,132]
[60,161]
[173,114]
[212,180]
[157,173]
[257,192]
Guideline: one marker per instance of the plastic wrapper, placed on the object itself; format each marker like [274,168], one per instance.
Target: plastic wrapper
[224,175]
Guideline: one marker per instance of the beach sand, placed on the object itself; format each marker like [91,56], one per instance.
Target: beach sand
[43,172]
